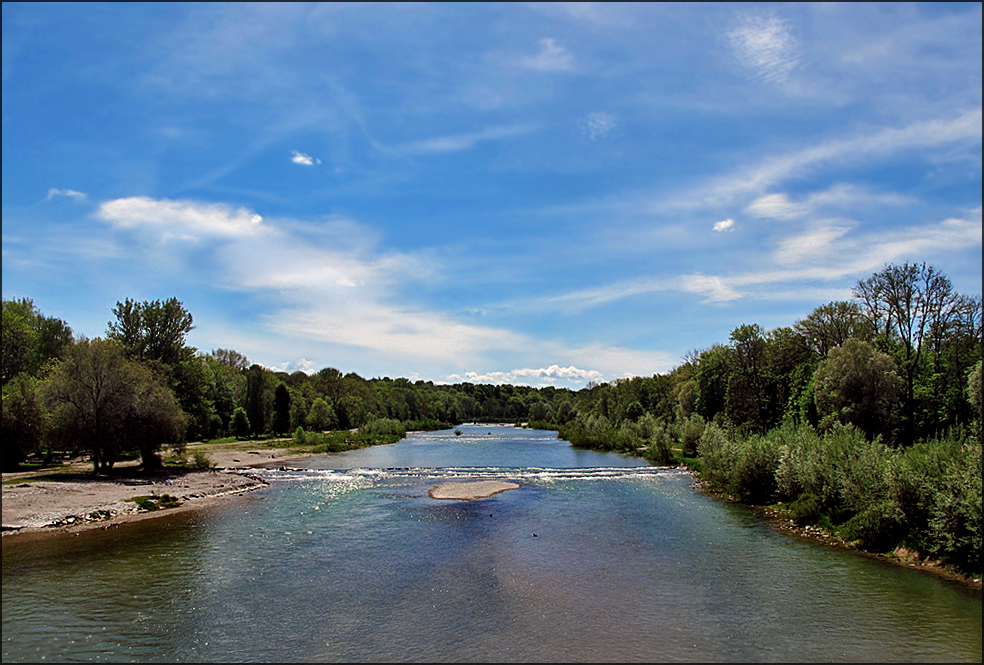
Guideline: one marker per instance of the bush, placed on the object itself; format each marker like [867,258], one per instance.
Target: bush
[805,509]
[877,527]
[382,427]
[201,461]
[690,431]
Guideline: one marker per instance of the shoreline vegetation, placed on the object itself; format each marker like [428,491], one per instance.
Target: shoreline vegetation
[860,423]
[66,500]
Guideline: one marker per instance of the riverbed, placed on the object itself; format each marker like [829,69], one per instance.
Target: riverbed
[590,557]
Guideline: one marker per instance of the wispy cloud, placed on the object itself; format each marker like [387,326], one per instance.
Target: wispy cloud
[304,159]
[841,196]
[769,172]
[598,124]
[725,225]
[827,252]
[811,246]
[552,57]
[54,193]
[460,142]
[766,46]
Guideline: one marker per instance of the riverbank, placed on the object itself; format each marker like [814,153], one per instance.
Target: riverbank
[70,498]
[900,556]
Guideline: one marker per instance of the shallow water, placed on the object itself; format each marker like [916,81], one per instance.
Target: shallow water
[597,557]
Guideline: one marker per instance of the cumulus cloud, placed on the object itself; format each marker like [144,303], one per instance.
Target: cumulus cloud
[542,376]
[766,46]
[304,159]
[725,225]
[598,125]
[54,192]
[182,219]
[552,57]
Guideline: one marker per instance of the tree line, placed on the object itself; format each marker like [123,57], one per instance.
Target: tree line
[141,387]
[888,383]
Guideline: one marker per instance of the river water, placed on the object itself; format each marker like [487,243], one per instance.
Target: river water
[596,557]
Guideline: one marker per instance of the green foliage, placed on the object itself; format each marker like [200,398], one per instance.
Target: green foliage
[29,340]
[152,330]
[200,461]
[857,385]
[239,425]
[108,405]
[321,416]
[690,431]
[156,502]
[281,409]
[974,389]
[25,421]
[383,427]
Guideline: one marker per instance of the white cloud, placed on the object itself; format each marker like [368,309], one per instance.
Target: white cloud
[552,57]
[459,142]
[776,206]
[965,129]
[599,124]
[810,247]
[302,158]
[712,286]
[725,225]
[181,219]
[779,206]
[543,376]
[69,193]
[766,46]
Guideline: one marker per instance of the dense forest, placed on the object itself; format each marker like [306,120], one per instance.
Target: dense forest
[864,417]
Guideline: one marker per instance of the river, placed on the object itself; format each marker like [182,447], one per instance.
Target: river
[596,557]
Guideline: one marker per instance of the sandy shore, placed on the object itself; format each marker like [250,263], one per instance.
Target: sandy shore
[471,489]
[73,499]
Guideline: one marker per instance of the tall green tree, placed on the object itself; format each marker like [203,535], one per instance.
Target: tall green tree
[321,416]
[830,325]
[281,409]
[259,398]
[25,420]
[857,385]
[153,330]
[907,302]
[29,339]
[106,404]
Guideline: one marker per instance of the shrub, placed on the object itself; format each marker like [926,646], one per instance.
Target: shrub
[690,431]
[201,461]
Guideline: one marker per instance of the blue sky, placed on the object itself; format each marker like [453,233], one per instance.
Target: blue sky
[542,194]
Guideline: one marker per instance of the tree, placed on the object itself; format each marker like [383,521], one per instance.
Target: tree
[974,389]
[231,359]
[281,410]
[259,398]
[857,385]
[153,330]
[828,326]
[106,404]
[321,417]
[29,339]
[908,301]
[24,421]
[746,390]
[240,423]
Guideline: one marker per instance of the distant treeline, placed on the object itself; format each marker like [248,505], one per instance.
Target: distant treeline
[865,416]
